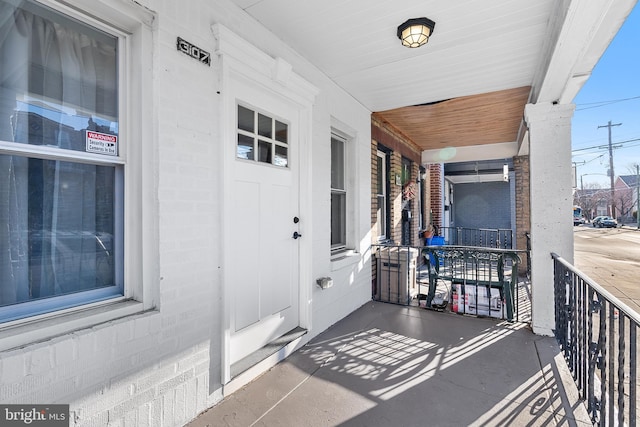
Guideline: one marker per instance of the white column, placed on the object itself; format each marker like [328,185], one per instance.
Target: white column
[551,203]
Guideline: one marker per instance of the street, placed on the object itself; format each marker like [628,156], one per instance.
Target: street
[610,257]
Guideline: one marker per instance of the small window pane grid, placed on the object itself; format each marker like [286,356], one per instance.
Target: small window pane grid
[262,138]
[338,195]
[61,245]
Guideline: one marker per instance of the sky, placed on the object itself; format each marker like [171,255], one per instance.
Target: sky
[612,93]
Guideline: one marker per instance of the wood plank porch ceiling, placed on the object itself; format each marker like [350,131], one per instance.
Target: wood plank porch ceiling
[487,118]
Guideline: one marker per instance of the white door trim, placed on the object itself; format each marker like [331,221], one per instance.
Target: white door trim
[240,60]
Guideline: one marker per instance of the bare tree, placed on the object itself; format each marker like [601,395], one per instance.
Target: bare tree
[632,210]
[589,198]
[624,203]
[625,200]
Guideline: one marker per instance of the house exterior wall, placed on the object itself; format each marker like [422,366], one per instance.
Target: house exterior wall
[593,201]
[162,364]
[384,138]
[625,197]
[522,207]
[396,147]
[436,188]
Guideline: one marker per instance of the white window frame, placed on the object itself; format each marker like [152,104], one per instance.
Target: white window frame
[341,246]
[350,251]
[133,25]
[385,215]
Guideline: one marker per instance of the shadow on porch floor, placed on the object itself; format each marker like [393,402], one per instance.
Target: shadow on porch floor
[405,366]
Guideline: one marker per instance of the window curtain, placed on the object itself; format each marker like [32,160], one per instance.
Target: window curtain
[56,77]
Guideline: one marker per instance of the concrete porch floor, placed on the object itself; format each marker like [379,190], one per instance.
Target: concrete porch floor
[390,365]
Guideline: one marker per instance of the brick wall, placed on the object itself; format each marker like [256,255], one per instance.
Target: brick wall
[122,371]
[436,175]
[523,208]
[415,222]
[399,147]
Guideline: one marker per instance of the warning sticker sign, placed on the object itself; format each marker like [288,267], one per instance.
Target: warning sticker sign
[102,143]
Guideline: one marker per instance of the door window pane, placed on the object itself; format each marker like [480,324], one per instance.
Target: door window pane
[282,132]
[245,119]
[264,125]
[245,147]
[264,152]
[281,157]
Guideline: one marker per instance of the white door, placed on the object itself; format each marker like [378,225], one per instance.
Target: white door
[261,217]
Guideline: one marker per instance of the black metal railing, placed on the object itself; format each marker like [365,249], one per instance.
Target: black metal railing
[484,280]
[478,237]
[465,280]
[597,334]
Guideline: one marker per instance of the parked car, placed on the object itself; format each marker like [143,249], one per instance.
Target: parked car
[577,220]
[604,221]
[608,222]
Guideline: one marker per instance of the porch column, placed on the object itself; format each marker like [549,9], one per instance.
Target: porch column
[551,203]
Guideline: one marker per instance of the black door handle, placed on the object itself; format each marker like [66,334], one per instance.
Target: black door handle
[296,235]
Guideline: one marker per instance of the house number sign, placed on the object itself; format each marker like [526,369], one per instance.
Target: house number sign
[193,51]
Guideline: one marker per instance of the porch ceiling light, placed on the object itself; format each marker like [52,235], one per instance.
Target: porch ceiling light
[415,32]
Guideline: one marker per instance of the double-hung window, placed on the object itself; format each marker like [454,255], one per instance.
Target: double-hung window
[61,189]
[338,194]
[381,196]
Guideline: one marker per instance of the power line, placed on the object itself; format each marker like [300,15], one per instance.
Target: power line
[595,158]
[605,146]
[603,103]
[632,145]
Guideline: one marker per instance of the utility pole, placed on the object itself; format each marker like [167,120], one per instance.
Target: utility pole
[611,174]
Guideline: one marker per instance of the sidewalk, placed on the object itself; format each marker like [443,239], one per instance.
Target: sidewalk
[389,365]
